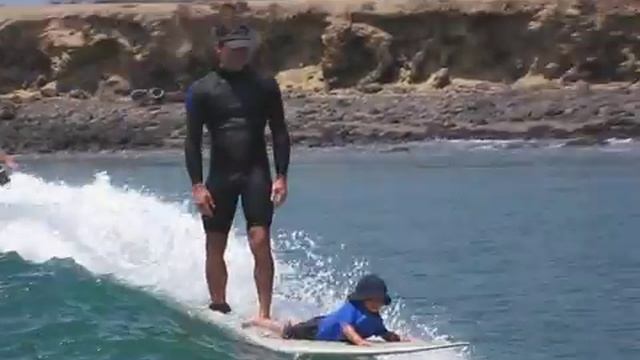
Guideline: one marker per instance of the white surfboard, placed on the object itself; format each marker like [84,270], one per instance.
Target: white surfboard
[268,340]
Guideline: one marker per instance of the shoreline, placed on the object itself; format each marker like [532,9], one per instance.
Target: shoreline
[391,117]
[452,144]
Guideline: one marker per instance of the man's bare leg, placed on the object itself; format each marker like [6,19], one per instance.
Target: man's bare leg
[260,243]
[216,268]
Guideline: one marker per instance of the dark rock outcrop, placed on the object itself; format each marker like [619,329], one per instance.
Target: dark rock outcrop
[54,124]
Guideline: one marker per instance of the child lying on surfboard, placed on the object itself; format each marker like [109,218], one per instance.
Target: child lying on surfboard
[355,321]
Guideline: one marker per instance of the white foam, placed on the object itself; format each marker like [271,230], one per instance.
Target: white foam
[620,140]
[158,246]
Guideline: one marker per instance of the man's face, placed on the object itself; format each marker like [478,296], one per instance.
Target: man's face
[233,59]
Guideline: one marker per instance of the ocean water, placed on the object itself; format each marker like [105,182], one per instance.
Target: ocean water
[527,253]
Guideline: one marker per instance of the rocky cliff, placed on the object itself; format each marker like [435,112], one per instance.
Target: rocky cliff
[319,50]
[324,44]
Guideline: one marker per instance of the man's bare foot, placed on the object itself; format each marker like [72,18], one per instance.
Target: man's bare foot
[251,322]
[264,324]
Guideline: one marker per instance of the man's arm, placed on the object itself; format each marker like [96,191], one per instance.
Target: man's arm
[279,132]
[193,140]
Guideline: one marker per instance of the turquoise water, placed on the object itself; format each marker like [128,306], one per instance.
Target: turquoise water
[524,253]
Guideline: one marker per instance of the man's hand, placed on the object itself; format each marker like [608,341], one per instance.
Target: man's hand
[8,160]
[203,199]
[279,191]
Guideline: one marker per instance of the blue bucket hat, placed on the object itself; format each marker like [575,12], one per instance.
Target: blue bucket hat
[368,287]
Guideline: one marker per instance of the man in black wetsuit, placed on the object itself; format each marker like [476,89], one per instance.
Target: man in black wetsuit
[235,104]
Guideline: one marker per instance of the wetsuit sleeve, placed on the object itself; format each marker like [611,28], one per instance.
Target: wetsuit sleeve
[279,131]
[193,139]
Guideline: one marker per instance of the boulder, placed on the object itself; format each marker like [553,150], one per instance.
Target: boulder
[78,94]
[118,84]
[440,78]
[50,90]
[113,87]
[8,110]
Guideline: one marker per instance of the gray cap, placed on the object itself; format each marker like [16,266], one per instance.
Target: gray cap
[241,36]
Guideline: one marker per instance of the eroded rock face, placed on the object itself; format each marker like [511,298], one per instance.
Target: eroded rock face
[399,41]
[21,58]
[355,54]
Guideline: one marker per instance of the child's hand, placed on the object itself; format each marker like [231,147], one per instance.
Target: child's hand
[351,335]
[392,337]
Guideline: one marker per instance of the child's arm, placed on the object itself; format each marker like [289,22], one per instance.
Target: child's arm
[351,335]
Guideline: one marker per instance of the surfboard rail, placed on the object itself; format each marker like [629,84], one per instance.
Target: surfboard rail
[261,338]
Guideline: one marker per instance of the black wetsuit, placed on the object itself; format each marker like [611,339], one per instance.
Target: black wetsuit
[235,107]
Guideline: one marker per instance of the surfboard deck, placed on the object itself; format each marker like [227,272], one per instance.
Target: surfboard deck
[268,340]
